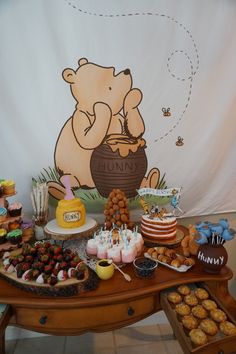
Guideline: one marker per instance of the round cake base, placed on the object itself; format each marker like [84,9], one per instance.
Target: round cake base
[55,232]
[171,243]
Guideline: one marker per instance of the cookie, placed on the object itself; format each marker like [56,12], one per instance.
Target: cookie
[208,326]
[228,328]
[198,337]
[209,305]
[201,294]
[174,297]
[189,322]
[184,290]
[182,309]
[199,311]
[218,315]
[191,300]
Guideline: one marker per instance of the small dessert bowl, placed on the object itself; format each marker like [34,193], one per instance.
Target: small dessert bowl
[144,267]
[105,269]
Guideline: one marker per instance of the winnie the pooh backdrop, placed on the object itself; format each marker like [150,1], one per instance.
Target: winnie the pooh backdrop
[101,145]
[133,93]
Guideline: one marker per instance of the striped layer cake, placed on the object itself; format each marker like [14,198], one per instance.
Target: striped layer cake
[159,229]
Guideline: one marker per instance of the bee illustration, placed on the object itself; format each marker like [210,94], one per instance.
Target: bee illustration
[166,112]
[180,141]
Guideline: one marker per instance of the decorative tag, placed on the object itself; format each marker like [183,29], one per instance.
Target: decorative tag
[71,216]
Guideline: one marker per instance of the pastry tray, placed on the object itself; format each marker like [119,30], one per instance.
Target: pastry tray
[217,344]
[182,269]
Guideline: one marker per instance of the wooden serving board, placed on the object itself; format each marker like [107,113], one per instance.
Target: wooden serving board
[67,287]
[55,232]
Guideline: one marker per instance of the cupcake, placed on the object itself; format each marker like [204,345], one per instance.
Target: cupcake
[15,209]
[27,228]
[3,214]
[3,233]
[14,236]
[8,187]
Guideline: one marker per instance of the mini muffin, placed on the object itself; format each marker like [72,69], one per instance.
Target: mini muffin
[184,290]
[228,328]
[189,322]
[199,311]
[208,326]
[191,300]
[182,309]
[209,305]
[198,337]
[174,297]
[201,294]
[218,315]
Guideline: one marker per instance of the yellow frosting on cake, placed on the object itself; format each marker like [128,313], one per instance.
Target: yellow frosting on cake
[3,232]
[8,183]
[70,213]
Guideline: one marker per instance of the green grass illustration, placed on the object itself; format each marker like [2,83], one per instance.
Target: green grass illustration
[92,199]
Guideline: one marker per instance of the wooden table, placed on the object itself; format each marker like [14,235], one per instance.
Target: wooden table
[116,303]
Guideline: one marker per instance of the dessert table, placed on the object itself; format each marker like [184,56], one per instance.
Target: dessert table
[114,304]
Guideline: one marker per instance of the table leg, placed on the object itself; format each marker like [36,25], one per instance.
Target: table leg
[4,320]
[2,342]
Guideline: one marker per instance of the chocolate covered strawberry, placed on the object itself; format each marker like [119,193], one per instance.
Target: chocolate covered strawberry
[52,280]
[44,258]
[48,269]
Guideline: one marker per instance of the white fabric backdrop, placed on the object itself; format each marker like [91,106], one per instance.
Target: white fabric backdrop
[181,55]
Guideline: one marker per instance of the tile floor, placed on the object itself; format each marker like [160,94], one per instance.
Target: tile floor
[130,340]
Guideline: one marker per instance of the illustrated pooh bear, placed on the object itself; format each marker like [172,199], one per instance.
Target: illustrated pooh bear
[107,105]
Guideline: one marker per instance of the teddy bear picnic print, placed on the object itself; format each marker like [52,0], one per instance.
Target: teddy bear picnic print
[101,145]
